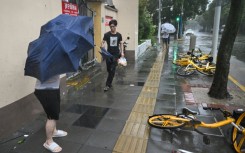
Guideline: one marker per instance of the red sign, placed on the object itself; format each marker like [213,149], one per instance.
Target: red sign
[69,8]
[107,20]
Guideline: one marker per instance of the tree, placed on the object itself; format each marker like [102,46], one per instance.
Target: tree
[146,28]
[190,10]
[219,85]
[208,16]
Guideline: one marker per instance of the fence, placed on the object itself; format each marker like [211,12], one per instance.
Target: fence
[142,48]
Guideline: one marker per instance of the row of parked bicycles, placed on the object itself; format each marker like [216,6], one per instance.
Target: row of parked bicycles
[195,60]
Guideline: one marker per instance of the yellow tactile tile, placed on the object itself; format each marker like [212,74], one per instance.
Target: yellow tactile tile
[148,94]
[150,89]
[152,84]
[146,101]
[130,144]
[138,117]
[143,108]
[134,137]
[137,130]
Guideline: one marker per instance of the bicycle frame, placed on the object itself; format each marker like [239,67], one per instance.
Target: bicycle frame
[184,61]
[196,67]
[188,119]
[217,124]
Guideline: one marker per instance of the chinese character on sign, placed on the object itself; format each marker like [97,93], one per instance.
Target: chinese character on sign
[69,8]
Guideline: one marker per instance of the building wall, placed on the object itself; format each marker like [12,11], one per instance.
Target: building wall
[110,13]
[128,21]
[96,7]
[20,24]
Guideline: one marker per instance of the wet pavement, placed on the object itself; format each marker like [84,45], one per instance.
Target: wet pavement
[96,120]
[190,92]
[237,62]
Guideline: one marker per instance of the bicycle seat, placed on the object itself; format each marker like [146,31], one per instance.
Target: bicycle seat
[187,111]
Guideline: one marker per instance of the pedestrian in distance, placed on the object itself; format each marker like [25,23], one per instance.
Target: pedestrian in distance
[114,43]
[48,93]
[165,39]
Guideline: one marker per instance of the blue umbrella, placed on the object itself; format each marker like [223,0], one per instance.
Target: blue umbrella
[105,54]
[61,44]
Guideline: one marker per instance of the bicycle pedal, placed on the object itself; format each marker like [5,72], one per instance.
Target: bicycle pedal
[206,140]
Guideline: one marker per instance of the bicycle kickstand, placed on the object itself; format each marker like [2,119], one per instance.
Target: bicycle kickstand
[205,138]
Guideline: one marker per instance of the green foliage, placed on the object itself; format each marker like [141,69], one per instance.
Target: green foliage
[191,8]
[206,19]
[146,28]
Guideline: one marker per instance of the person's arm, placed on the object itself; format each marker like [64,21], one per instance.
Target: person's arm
[102,44]
[121,49]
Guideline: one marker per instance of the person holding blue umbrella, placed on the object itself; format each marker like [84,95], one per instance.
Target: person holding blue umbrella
[114,43]
[63,41]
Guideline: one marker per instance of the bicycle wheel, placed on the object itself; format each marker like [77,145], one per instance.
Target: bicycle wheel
[183,71]
[165,121]
[238,137]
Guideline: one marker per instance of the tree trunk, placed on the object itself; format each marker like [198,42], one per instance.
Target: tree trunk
[219,86]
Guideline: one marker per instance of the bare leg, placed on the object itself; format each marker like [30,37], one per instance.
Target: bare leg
[50,128]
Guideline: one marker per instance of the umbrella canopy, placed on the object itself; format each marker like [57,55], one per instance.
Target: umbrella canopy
[167,27]
[105,54]
[61,44]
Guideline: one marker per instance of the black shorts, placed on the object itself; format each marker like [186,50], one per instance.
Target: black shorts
[165,40]
[50,100]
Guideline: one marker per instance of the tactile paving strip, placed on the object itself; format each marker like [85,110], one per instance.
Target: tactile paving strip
[134,136]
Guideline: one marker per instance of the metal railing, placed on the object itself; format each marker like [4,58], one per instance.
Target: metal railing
[142,48]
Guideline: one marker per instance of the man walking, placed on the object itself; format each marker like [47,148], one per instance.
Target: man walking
[114,43]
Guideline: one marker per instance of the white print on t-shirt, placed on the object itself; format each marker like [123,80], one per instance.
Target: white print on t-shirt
[113,41]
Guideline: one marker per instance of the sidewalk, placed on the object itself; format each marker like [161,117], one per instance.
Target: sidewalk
[93,118]
[116,121]
[176,92]
[190,92]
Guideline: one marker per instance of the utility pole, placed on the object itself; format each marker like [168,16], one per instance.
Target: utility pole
[216,30]
[159,22]
[181,21]
[177,31]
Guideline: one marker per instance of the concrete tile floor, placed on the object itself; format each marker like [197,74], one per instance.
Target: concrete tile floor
[111,110]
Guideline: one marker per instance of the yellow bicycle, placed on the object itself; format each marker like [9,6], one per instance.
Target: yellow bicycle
[206,69]
[194,55]
[188,119]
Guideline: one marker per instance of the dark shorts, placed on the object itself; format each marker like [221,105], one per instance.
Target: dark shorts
[165,40]
[50,100]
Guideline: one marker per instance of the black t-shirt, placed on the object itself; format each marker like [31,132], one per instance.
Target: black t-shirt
[113,41]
